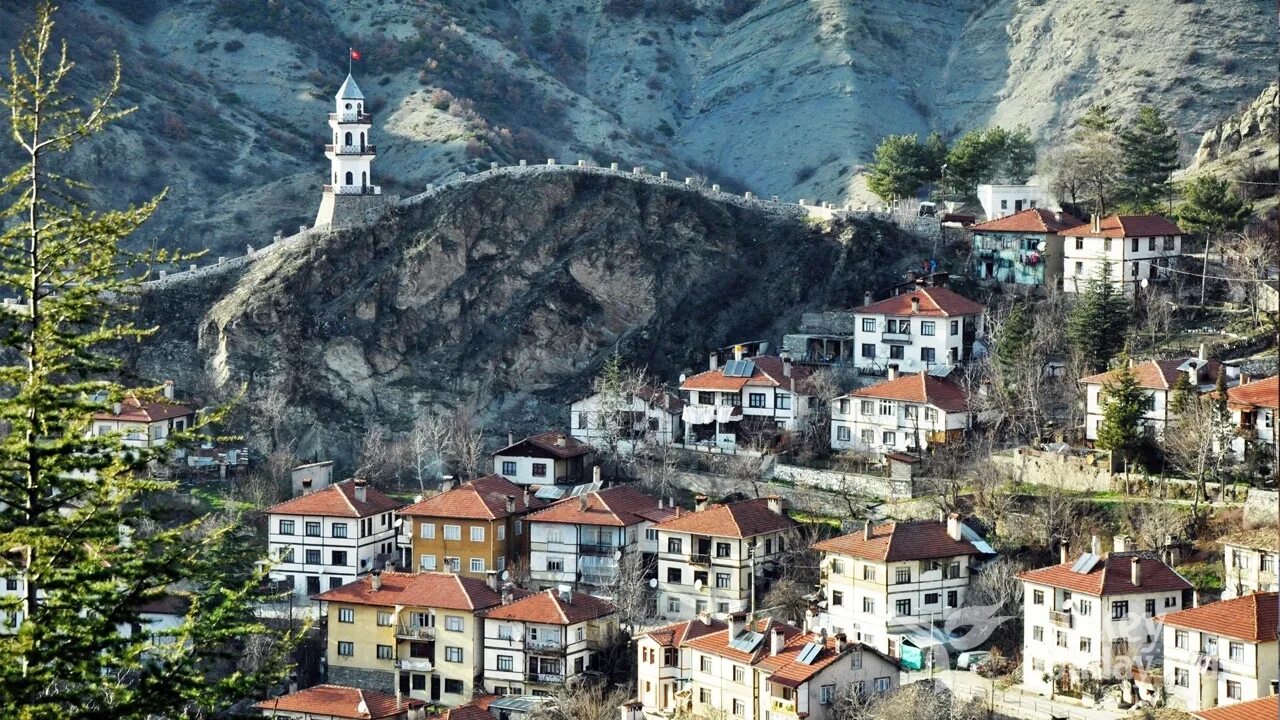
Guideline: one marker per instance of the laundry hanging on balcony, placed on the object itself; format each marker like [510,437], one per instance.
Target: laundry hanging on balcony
[728,413]
[698,414]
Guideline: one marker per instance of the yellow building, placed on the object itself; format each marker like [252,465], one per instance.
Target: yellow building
[418,632]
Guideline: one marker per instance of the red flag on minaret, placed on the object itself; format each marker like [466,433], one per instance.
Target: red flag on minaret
[355,54]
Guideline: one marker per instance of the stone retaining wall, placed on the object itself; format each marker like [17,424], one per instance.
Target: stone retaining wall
[379,680]
[836,481]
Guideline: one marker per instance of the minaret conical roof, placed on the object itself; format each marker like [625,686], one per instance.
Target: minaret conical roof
[349,90]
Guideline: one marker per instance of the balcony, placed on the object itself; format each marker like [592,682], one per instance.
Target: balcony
[352,117]
[1060,619]
[700,559]
[352,189]
[782,706]
[351,149]
[895,336]
[544,646]
[415,664]
[416,632]
[605,550]
[544,678]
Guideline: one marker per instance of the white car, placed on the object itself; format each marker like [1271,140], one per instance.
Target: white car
[971,659]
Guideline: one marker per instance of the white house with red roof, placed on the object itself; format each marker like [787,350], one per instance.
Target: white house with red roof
[916,330]
[708,560]
[1021,249]
[1221,653]
[906,413]
[338,702]
[538,643]
[648,416]
[1250,559]
[1157,378]
[1001,200]
[1254,407]
[661,671]
[329,537]
[1098,617]
[550,458]
[887,584]
[574,542]
[746,401]
[145,423]
[1138,247]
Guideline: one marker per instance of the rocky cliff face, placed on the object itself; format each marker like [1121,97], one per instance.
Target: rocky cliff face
[506,294]
[1254,127]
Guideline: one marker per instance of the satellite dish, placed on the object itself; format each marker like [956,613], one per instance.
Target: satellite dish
[617,554]
[399,522]
[1041,246]
[1144,282]
[653,582]
[697,585]
[1066,604]
[504,576]
[682,378]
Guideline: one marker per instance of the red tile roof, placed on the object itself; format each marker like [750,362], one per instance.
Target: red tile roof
[145,411]
[1251,617]
[1154,374]
[717,643]
[919,388]
[934,302]
[484,498]
[471,711]
[550,443]
[892,541]
[1260,393]
[337,500]
[676,634]
[1126,226]
[744,519]
[768,372]
[1260,709]
[615,507]
[342,702]
[424,589]
[1111,576]
[548,608]
[1035,220]
[785,668]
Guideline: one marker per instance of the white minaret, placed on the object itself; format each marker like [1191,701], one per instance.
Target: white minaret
[347,194]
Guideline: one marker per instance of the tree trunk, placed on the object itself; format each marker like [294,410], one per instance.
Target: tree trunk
[1204,270]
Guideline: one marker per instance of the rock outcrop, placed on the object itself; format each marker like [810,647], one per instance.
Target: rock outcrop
[1256,125]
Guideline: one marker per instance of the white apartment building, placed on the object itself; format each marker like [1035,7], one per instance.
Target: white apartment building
[1138,247]
[888,584]
[1251,558]
[1254,407]
[1097,617]
[916,330]
[1221,653]
[329,537]
[574,542]
[1157,378]
[662,667]
[1001,200]
[747,401]
[538,643]
[550,458]
[708,559]
[905,413]
[649,416]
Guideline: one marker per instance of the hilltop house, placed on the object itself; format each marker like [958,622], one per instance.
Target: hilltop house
[574,541]
[708,559]
[473,529]
[1023,249]
[336,702]
[999,201]
[746,401]
[1096,617]
[1251,558]
[650,415]
[1138,247]
[1221,653]
[1254,406]
[551,458]
[416,634]
[916,330]
[328,537]
[887,584]
[541,642]
[902,414]
[146,423]
[1157,378]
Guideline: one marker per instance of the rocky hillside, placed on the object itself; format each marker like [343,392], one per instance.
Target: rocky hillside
[777,96]
[506,294]
[1244,147]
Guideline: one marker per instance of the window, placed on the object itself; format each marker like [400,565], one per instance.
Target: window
[502,533]
[1037,633]
[505,663]
[1151,243]
[1004,204]
[1106,245]
[674,575]
[453,623]
[555,536]
[837,598]
[1181,677]
[855,661]
[539,469]
[722,580]
[868,436]
[930,414]
[902,575]
[739,708]
[1061,639]
[928,354]
[313,529]
[1037,664]
[827,694]
[931,598]
[1079,269]
[869,572]
[739,673]
[902,607]
[384,652]
[346,615]
[673,604]
[896,352]
[889,438]
[868,605]
[837,567]
[651,534]
[1172,600]
[477,533]
[706,398]
[782,401]
[1133,245]
[427,562]
[1037,597]
[339,530]
[868,324]
[927,327]
[1150,607]
[675,545]
[1233,690]
[722,549]
[1235,651]
[882,684]
[452,532]
[866,407]
[313,556]
[452,564]
[1180,639]
[1086,644]
[1119,646]
[1085,607]
[886,407]
[286,527]
[453,654]
[953,598]
[1169,241]
[955,327]
[704,663]
[427,531]
[1119,609]
[339,557]
[843,433]
[346,648]
[704,695]
[868,350]
[755,400]
[384,618]
[555,565]
[285,553]
[477,565]
[454,687]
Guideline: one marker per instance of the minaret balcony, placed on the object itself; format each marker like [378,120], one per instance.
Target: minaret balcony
[350,149]
[352,189]
[351,116]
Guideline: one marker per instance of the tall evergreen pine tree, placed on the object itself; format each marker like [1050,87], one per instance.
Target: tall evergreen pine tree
[1123,405]
[1013,341]
[1099,320]
[1150,151]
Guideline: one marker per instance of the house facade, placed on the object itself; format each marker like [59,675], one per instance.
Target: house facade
[474,529]
[916,331]
[663,663]
[1157,379]
[999,201]
[1137,247]
[1221,653]
[551,458]
[1096,617]
[536,644]
[1254,407]
[747,402]
[886,585]
[906,413]
[418,634]
[1251,558]
[146,423]
[327,538]
[648,416]
[1021,249]
[708,559]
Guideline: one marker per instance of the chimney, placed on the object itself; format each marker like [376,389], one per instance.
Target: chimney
[786,364]
[528,497]
[1135,571]
[1057,215]
[566,594]
[595,474]
[511,504]
[776,504]
[911,276]
[737,623]
[115,408]
[915,304]
[866,298]
[1195,598]
[700,503]
[953,527]
[362,490]
[168,387]
[1121,544]
[389,565]
[737,352]
[491,579]
[560,440]
[776,640]
[842,643]
[306,486]
[506,594]
[713,361]
[866,530]
[705,618]
[893,371]
[375,580]
[1204,352]
[511,438]
[822,637]
[582,503]
[1064,551]
[1095,545]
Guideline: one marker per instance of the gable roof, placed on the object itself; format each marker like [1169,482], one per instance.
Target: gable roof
[768,371]
[1126,226]
[337,500]
[1250,617]
[349,90]
[615,507]
[934,302]
[341,701]
[477,709]
[786,669]
[918,388]
[1153,374]
[894,541]
[550,443]
[744,519]
[1111,576]
[717,643]
[1034,220]
[145,411]
[1261,709]
[1259,393]
[1264,538]
[659,397]
[675,634]
[484,498]
[548,608]
[424,589]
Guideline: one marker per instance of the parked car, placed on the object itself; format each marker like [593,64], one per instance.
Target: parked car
[971,659]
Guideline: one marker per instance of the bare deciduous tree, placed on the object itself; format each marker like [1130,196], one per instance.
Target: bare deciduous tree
[429,443]
[468,446]
[630,590]
[583,702]
[381,459]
